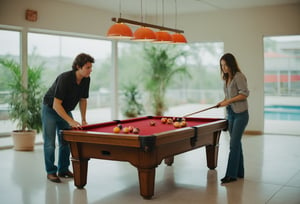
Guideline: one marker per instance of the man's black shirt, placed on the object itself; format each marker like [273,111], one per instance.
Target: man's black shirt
[66,89]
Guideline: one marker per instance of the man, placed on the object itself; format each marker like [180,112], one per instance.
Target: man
[69,89]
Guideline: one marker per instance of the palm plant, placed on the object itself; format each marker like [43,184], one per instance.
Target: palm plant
[25,102]
[132,106]
[162,68]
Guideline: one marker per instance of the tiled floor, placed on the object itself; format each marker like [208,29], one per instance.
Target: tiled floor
[272,176]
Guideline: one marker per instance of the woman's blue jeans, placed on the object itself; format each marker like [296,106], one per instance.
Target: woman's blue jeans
[52,124]
[237,123]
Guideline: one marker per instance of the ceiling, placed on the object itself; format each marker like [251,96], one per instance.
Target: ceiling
[155,7]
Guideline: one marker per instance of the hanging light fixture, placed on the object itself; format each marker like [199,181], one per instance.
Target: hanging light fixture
[163,36]
[177,37]
[143,33]
[119,30]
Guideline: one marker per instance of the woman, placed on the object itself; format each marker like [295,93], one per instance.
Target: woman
[236,93]
[69,89]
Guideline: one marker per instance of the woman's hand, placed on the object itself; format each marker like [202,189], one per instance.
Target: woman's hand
[227,102]
[223,103]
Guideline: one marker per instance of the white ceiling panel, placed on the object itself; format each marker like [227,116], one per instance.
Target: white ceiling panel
[154,7]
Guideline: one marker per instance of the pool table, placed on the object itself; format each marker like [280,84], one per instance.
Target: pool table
[144,150]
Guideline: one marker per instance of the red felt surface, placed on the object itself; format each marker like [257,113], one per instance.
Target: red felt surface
[143,123]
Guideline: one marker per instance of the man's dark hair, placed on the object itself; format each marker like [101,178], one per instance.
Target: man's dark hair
[81,60]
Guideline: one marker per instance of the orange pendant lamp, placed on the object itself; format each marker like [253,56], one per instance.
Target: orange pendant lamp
[119,31]
[144,34]
[178,38]
[162,37]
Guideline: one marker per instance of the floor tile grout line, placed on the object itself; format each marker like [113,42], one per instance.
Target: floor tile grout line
[283,186]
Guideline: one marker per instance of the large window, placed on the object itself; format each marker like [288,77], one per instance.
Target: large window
[9,49]
[184,94]
[56,54]
[282,84]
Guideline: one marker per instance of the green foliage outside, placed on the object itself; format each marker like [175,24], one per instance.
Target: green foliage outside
[132,105]
[162,67]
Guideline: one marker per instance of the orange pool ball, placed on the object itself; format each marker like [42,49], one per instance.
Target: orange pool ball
[177,124]
[126,130]
[164,120]
[169,120]
[183,123]
[116,129]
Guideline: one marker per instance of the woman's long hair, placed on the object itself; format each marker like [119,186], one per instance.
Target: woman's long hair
[231,63]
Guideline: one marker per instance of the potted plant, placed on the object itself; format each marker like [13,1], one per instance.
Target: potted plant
[132,107]
[162,68]
[24,104]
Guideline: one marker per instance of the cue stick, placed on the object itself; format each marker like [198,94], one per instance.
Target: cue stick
[216,106]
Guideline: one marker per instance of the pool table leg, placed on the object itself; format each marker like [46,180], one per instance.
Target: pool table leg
[80,167]
[146,180]
[212,152]
[212,156]
[169,160]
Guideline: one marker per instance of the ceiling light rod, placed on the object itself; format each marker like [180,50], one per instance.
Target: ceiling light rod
[124,20]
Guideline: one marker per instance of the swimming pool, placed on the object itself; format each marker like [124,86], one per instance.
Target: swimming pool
[282,112]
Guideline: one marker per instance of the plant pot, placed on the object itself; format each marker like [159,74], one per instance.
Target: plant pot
[23,140]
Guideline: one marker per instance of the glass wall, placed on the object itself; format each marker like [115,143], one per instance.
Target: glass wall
[10,50]
[282,84]
[56,54]
[184,94]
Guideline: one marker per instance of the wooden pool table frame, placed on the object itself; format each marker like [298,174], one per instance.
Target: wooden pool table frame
[143,152]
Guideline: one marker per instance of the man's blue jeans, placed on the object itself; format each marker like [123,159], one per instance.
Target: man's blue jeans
[52,124]
[237,123]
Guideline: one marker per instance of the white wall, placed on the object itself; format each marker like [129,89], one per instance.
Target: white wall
[242,32]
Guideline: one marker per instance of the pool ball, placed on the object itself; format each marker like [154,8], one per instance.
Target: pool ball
[120,126]
[130,128]
[116,129]
[152,123]
[136,130]
[183,123]
[126,130]
[164,120]
[179,119]
[177,124]
[169,121]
